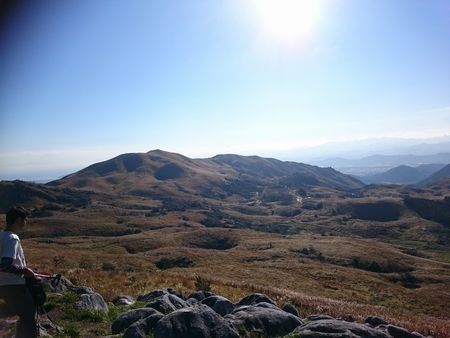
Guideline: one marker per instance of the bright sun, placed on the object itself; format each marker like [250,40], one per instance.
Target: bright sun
[288,21]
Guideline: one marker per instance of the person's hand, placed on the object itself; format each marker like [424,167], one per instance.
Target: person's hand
[29,274]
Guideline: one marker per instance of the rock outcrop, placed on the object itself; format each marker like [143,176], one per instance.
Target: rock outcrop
[219,304]
[123,300]
[336,328]
[166,313]
[264,319]
[130,317]
[196,321]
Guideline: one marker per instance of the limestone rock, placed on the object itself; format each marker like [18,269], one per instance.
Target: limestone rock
[400,332]
[200,295]
[92,302]
[123,300]
[336,328]
[254,299]
[199,321]
[152,295]
[167,303]
[375,321]
[143,327]
[124,320]
[264,319]
[289,308]
[317,317]
[60,285]
[82,290]
[192,301]
[219,304]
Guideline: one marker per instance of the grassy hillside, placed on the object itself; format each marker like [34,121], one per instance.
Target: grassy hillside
[119,251]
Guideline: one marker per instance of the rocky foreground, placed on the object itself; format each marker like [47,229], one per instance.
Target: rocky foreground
[166,313]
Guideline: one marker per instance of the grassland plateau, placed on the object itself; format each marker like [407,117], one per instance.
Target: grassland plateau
[311,236]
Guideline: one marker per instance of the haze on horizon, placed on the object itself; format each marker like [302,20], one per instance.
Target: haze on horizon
[83,81]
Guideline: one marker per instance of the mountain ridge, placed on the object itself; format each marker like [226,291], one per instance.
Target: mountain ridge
[403,174]
[441,175]
[159,169]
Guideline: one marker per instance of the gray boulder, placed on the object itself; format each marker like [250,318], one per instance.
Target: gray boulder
[82,290]
[200,295]
[63,284]
[375,321]
[254,299]
[336,328]
[313,318]
[60,285]
[143,327]
[199,321]
[264,319]
[152,295]
[92,302]
[289,308]
[400,332]
[263,305]
[219,304]
[192,301]
[125,319]
[167,303]
[123,300]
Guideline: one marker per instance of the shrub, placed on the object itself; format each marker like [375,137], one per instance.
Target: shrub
[202,283]
[383,267]
[180,262]
[85,264]
[406,279]
[58,260]
[108,266]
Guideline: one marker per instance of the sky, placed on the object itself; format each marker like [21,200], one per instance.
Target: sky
[82,81]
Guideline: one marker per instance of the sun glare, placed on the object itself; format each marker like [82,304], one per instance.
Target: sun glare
[289,21]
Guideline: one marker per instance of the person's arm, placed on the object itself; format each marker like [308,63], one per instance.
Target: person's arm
[10,248]
[6,265]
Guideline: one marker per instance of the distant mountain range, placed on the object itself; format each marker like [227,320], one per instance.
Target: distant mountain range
[442,175]
[386,160]
[377,164]
[368,147]
[373,156]
[403,174]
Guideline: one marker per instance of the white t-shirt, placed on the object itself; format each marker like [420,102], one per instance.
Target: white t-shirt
[10,247]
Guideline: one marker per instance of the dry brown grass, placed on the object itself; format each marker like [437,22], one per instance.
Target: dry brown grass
[111,284]
[259,262]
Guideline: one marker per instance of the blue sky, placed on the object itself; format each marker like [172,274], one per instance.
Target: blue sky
[82,81]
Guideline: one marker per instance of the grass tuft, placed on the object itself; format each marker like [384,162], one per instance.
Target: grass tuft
[202,283]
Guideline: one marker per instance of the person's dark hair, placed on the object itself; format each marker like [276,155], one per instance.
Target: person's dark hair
[14,213]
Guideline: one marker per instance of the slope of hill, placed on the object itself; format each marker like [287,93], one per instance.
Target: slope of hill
[158,173]
[33,195]
[403,174]
[302,174]
[440,175]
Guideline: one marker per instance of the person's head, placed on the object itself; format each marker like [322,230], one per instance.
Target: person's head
[16,218]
